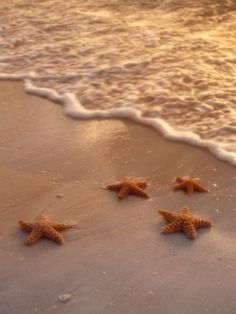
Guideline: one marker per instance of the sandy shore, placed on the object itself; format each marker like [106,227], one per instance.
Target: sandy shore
[115,260]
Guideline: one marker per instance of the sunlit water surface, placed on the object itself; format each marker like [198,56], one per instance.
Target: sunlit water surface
[170,59]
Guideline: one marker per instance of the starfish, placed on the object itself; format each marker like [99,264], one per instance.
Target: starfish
[128,186]
[42,227]
[183,221]
[189,184]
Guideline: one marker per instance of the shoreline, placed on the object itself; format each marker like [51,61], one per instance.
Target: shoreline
[116,260]
[74,109]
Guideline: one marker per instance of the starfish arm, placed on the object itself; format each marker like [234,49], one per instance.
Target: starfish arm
[180,186]
[167,214]
[189,229]
[185,210]
[202,223]
[179,179]
[60,226]
[114,187]
[171,227]
[190,188]
[51,233]
[138,191]
[200,188]
[33,237]
[142,184]
[124,191]
[26,226]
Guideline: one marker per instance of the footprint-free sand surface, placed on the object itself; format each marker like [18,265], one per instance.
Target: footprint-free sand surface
[114,260]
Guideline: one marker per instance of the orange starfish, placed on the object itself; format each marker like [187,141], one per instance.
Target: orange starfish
[42,227]
[189,184]
[129,186]
[183,221]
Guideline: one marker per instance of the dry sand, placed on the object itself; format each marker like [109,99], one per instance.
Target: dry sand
[115,260]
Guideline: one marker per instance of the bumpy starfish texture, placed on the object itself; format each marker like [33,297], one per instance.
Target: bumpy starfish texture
[189,184]
[128,186]
[183,221]
[42,227]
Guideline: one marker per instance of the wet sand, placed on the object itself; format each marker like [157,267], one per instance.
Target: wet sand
[115,260]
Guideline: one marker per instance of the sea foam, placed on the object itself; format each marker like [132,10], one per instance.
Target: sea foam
[112,59]
[74,109]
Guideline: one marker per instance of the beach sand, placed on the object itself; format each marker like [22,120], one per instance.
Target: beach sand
[114,260]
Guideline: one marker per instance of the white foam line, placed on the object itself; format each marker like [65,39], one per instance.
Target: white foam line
[43,92]
[13,77]
[74,109]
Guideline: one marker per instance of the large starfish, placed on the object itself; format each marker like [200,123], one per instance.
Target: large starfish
[42,227]
[128,186]
[189,184]
[183,221]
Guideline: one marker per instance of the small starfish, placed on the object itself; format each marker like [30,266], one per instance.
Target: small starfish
[42,227]
[189,184]
[128,186]
[183,221]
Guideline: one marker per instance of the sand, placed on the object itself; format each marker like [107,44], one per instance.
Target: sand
[115,260]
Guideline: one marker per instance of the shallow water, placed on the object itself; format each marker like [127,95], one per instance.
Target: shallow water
[173,60]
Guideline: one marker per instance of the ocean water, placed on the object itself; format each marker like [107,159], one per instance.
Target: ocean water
[169,64]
